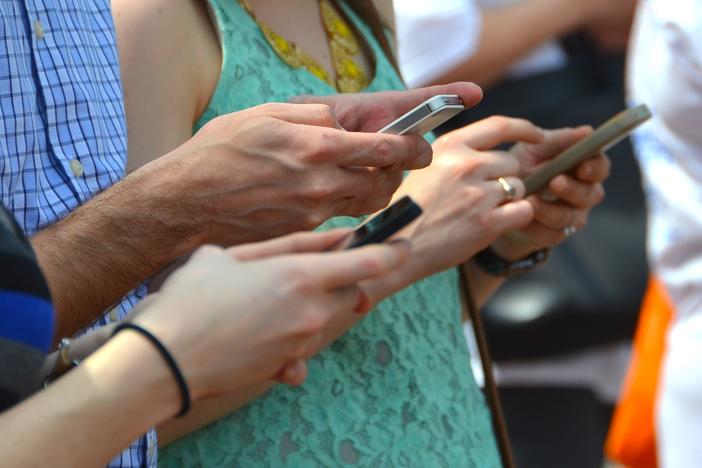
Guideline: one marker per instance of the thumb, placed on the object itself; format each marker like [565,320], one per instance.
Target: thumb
[294,373]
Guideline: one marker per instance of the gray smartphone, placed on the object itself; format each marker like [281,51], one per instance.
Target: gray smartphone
[604,137]
[427,116]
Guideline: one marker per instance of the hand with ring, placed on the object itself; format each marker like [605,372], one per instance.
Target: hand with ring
[470,194]
[569,200]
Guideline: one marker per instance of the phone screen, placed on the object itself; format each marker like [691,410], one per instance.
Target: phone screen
[384,225]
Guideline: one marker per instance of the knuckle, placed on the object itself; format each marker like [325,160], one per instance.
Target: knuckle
[383,152]
[599,194]
[500,123]
[317,149]
[313,219]
[298,281]
[475,195]
[461,168]
[270,107]
[370,266]
[312,322]
[325,113]
[484,225]
[318,191]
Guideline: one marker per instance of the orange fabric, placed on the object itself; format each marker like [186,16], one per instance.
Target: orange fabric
[631,440]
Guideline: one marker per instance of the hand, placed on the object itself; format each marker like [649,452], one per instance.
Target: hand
[465,207]
[576,194]
[236,317]
[369,112]
[277,168]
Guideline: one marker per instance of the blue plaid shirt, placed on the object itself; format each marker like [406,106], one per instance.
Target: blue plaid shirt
[62,125]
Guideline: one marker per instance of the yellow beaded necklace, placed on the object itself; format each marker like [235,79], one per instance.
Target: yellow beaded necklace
[343,47]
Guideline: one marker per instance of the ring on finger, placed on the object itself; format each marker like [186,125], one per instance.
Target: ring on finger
[570,229]
[509,191]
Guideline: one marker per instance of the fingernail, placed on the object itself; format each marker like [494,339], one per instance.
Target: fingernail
[364,305]
[586,171]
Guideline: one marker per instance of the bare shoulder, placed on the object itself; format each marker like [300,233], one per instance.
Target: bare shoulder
[170,63]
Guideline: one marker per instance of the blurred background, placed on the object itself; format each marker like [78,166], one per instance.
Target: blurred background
[560,336]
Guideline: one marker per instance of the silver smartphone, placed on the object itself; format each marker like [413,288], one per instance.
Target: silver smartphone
[604,137]
[427,116]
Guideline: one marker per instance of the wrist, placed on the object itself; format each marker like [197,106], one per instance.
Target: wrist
[165,188]
[129,366]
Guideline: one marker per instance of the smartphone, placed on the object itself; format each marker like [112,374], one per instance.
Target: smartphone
[427,116]
[379,228]
[604,137]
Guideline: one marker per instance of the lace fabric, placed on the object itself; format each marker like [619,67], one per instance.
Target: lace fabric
[396,390]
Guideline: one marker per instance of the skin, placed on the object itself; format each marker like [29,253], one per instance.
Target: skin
[248,176]
[465,209]
[224,327]
[510,33]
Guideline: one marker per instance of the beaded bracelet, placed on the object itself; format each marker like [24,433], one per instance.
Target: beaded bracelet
[182,385]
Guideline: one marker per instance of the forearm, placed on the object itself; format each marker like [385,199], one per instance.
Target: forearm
[207,411]
[106,247]
[93,412]
[510,33]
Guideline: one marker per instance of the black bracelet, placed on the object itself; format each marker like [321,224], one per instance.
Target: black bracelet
[167,357]
[494,265]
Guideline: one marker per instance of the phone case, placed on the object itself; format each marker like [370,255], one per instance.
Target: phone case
[604,137]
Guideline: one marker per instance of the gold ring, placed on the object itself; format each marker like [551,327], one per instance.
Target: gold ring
[510,192]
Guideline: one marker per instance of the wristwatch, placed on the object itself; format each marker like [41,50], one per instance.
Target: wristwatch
[494,265]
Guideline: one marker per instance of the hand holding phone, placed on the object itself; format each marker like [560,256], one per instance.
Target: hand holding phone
[382,226]
[604,137]
[427,116]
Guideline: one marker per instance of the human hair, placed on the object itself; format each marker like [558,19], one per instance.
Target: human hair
[369,14]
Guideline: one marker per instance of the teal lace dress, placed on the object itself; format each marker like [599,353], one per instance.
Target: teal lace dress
[397,389]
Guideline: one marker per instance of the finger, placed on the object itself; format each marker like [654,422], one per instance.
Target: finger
[319,115]
[498,164]
[594,170]
[576,193]
[498,192]
[294,243]
[493,131]
[376,199]
[372,111]
[556,141]
[371,150]
[293,373]
[510,216]
[404,101]
[349,299]
[556,215]
[541,237]
[336,270]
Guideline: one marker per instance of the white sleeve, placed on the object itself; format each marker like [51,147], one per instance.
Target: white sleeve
[433,37]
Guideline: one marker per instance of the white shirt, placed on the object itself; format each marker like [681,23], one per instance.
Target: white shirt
[666,73]
[434,37]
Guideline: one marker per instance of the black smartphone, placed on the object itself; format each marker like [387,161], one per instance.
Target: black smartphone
[379,228]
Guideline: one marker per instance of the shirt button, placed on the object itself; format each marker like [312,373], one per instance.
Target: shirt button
[76,167]
[38,29]
[113,315]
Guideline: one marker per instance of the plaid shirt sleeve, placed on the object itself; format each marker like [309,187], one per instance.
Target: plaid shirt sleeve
[62,125]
